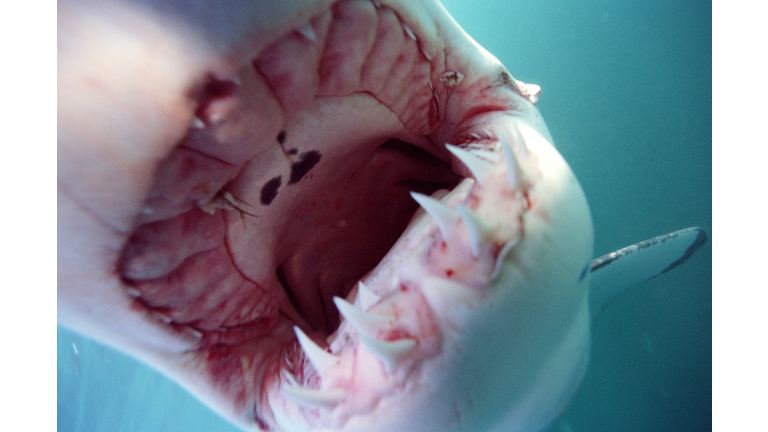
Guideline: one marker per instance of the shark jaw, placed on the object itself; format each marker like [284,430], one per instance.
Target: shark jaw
[460,327]
[269,178]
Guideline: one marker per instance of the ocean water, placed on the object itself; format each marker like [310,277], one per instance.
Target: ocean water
[627,96]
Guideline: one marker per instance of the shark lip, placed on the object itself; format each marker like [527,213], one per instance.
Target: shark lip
[280,189]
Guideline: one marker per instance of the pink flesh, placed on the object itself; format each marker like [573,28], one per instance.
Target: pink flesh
[248,230]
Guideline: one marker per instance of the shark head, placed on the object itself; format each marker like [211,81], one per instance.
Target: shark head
[331,216]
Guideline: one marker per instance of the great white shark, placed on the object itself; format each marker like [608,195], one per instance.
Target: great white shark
[272,170]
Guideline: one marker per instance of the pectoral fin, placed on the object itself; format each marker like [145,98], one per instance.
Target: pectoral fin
[612,273]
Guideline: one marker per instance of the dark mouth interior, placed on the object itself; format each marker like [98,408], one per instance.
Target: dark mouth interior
[359,256]
[320,260]
[268,185]
[290,184]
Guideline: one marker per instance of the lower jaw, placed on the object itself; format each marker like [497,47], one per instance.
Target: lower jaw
[449,284]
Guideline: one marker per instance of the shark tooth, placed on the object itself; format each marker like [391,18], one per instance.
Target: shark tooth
[479,168]
[320,358]
[500,259]
[444,216]
[197,123]
[363,321]
[192,332]
[409,32]
[513,170]
[426,54]
[479,230]
[367,297]
[531,137]
[517,139]
[389,352]
[290,378]
[308,32]
[163,317]
[313,398]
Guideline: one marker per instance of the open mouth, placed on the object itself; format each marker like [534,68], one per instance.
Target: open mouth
[280,238]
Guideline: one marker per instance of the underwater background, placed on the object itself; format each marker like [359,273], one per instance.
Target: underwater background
[627,96]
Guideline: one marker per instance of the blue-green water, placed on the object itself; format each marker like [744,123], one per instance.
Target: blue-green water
[627,97]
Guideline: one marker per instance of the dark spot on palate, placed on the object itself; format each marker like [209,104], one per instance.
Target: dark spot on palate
[301,168]
[292,152]
[269,190]
[281,136]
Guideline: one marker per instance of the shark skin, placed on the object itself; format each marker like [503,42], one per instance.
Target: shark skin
[84,365]
[518,279]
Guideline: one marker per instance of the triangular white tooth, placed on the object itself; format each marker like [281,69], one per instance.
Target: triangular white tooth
[308,32]
[479,229]
[291,379]
[236,79]
[367,297]
[513,170]
[313,398]
[479,168]
[197,123]
[503,256]
[364,322]
[389,352]
[426,54]
[531,137]
[409,32]
[517,139]
[163,317]
[320,358]
[444,216]
[192,332]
